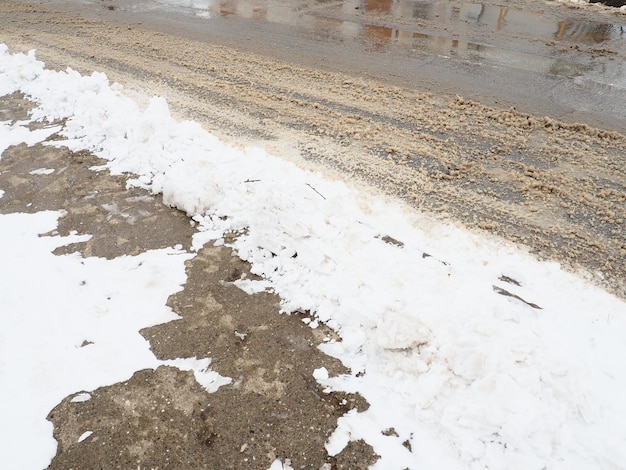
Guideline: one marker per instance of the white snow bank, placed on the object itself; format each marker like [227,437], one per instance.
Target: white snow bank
[69,323]
[470,352]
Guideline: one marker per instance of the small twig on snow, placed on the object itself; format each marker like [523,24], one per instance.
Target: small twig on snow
[316,191]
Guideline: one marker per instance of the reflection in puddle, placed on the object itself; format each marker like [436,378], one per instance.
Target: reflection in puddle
[473,16]
[484,53]
[443,28]
[457,17]
[382,33]
[590,32]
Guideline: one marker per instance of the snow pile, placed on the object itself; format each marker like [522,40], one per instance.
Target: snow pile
[69,323]
[470,352]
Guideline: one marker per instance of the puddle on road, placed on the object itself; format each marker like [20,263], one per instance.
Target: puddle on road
[381,37]
[488,34]
[456,29]
[458,18]
[461,16]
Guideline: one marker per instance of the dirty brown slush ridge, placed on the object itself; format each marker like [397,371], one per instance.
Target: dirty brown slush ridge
[557,187]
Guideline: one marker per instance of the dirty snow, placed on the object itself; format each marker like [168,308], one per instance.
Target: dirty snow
[69,324]
[471,353]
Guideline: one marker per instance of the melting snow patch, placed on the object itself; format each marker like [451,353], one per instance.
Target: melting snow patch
[42,171]
[209,379]
[278,465]
[50,304]
[84,436]
[81,397]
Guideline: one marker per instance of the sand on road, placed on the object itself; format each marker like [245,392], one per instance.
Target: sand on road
[464,140]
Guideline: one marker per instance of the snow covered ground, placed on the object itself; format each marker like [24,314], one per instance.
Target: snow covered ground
[471,353]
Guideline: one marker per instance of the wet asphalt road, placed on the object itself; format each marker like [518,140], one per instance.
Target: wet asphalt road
[545,58]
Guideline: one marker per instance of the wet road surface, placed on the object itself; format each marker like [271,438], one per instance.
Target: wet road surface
[543,57]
